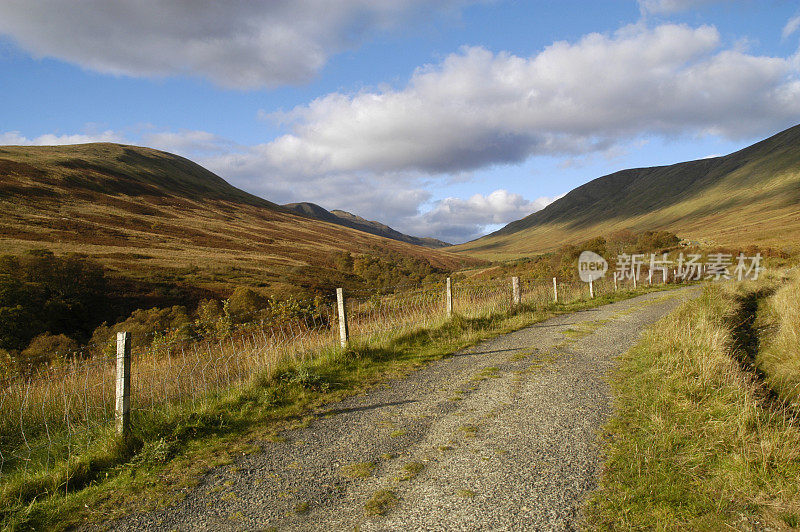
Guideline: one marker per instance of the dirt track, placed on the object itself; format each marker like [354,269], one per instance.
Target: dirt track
[503,436]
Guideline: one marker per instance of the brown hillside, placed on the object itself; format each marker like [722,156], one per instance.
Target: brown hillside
[154,216]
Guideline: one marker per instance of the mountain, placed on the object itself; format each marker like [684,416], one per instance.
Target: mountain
[748,197]
[347,219]
[159,219]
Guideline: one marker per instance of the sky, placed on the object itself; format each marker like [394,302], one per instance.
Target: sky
[440,118]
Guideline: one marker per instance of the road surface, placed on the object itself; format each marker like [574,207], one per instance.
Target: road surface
[501,436]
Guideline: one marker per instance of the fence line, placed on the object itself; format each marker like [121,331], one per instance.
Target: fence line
[48,418]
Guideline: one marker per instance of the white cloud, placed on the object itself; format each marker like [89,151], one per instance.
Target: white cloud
[666,7]
[791,26]
[237,43]
[457,220]
[478,108]
[15,138]
[372,152]
[499,207]
[376,152]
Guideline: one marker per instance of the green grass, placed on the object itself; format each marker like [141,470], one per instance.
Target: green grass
[170,448]
[357,470]
[411,470]
[696,443]
[381,502]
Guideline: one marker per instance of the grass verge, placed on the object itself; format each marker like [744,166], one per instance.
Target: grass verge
[778,356]
[171,448]
[696,442]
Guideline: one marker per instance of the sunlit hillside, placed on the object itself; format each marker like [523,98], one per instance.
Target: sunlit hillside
[748,197]
[159,218]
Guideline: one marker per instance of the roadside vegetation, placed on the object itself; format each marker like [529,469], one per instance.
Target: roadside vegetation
[706,434]
[778,357]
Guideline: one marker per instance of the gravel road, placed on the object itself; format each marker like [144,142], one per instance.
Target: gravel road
[502,436]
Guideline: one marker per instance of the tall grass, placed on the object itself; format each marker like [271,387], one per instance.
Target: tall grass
[694,443]
[779,353]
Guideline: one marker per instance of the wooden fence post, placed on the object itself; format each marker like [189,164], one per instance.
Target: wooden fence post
[635,275]
[344,334]
[591,289]
[449,298]
[515,295]
[123,406]
[555,289]
[650,277]
[615,281]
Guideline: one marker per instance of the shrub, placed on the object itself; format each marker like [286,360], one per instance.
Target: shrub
[46,350]
[147,327]
[244,305]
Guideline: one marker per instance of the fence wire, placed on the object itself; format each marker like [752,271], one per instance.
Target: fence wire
[51,417]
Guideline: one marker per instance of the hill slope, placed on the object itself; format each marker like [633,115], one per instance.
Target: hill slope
[312,210]
[747,197]
[157,217]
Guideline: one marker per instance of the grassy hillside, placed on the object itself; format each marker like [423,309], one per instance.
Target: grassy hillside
[168,223]
[353,221]
[747,197]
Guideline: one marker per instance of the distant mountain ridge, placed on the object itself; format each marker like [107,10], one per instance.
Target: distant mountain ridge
[353,221]
[162,219]
[747,197]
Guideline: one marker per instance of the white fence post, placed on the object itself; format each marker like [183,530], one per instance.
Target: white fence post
[123,405]
[591,289]
[555,289]
[344,333]
[515,295]
[615,281]
[449,298]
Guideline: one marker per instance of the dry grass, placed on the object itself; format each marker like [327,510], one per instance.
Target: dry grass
[357,470]
[54,414]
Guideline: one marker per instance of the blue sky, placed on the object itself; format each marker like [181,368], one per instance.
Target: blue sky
[444,118]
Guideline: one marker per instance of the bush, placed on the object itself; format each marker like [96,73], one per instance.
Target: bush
[147,327]
[46,350]
[650,241]
[40,293]
[244,305]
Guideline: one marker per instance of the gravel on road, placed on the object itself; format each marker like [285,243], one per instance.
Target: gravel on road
[502,436]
